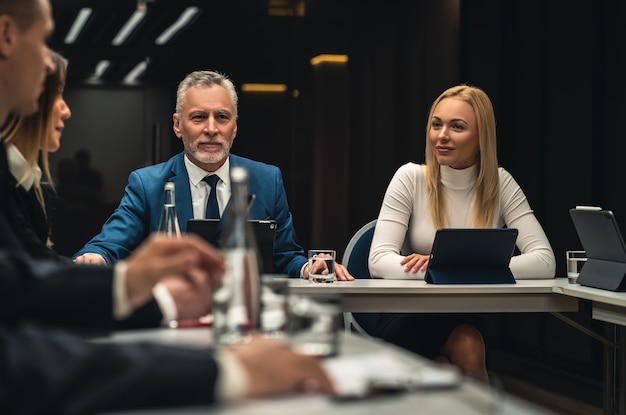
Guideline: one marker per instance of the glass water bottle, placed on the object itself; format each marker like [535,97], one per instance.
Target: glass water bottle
[237,303]
[169,219]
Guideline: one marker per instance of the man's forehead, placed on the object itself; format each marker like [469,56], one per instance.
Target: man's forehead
[209,109]
[208,98]
[46,10]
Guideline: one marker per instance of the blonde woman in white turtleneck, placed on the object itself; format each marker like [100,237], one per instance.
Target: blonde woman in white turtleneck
[459,186]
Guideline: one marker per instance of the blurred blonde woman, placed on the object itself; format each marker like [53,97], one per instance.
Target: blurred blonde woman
[27,141]
[459,186]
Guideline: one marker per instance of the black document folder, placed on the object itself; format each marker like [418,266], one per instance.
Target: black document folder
[264,232]
[472,256]
[602,240]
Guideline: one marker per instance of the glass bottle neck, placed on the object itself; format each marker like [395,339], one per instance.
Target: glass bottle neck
[237,232]
[168,197]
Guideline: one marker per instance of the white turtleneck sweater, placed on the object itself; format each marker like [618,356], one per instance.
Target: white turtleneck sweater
[405,213]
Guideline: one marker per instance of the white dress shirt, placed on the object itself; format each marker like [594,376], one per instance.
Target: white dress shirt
[27,176]
[200,190]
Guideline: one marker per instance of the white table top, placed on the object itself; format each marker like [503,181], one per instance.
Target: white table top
[382,295]
[419,287]
[379,295]
[469,398]
[593,294]
[607,306]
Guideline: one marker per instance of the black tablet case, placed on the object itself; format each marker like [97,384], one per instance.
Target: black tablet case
[602,240]
[264,232]
[472,256]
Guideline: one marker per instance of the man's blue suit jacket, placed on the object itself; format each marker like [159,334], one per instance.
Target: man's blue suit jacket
[139,212]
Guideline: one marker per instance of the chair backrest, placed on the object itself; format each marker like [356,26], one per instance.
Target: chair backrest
[357,251]
[355,259]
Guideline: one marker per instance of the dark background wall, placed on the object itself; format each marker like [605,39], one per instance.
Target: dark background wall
[553,69]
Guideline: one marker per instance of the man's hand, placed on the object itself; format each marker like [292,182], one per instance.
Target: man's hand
[192,296]
[274,368]
[91,259]
[189,258]
[341,273]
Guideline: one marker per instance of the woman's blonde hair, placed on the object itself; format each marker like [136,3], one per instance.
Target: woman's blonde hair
[487,183]
[31,133]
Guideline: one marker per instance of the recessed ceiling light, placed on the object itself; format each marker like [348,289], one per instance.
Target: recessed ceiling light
[185,18]
[129,27]
[101,68]
[136,72]
[77,26]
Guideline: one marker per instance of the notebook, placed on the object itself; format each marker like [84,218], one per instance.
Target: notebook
[264,232]
[472,256]
[602,240]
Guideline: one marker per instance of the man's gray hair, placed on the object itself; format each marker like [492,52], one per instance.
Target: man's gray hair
[204,78]
[24,12]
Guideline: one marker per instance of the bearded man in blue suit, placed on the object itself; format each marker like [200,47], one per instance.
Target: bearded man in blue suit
[206,122]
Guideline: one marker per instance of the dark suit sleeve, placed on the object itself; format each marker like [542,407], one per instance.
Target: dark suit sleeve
[71,295]
[147,316]
[56,373]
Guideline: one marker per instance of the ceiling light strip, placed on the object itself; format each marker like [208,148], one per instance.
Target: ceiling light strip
[77,26]
[136,72]
[101,68]
[185,18]
[129,27]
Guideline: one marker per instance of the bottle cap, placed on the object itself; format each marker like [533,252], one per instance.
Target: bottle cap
[238,174]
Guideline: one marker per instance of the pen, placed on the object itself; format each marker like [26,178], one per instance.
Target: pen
[182,324]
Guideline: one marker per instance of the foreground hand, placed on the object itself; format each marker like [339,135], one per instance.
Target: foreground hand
[415,262]
[91,259]
[193,295]
[159,256]
[274,368]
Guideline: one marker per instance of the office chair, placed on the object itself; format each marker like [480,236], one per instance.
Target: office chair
[355,260]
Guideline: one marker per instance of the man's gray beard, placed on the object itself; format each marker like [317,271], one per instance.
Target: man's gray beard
[213,158]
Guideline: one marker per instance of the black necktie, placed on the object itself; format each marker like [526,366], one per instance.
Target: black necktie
[212,210]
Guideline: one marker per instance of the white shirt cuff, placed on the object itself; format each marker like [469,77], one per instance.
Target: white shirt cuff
[121,305]
[302,269]
[232,381]
[166,303]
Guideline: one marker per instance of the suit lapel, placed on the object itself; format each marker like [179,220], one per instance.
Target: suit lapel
[184,208]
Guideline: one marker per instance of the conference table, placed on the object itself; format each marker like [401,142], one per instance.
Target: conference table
[555,296]
[610,308]
[417,296]
[454,395]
